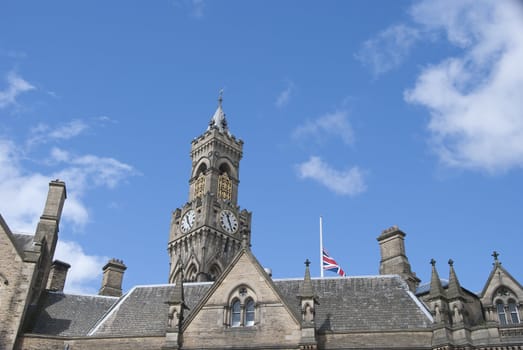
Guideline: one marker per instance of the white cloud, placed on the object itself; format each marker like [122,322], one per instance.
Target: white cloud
[475,98]
[348,182]
[388,49]
[23,192]
[325,127]
[23,195]
[15,86]
[43,133]
[84,268]
[284,96]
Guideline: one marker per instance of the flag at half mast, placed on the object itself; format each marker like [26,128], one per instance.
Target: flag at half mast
[329,264]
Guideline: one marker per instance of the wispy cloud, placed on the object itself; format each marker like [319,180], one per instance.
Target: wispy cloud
[388,49]
[285,95]
[348,182]
[43,133]
[474,98]
[16,85]
[326,127]
[23,191]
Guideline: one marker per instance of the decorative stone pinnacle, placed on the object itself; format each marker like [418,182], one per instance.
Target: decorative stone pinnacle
[451,262]
[433,262]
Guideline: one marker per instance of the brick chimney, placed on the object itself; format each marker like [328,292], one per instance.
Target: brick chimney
[57,276]
[112,278]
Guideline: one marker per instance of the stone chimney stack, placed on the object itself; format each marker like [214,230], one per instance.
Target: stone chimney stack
[57,276]
[47,228]
[112,278]
[394,260]
[46,235]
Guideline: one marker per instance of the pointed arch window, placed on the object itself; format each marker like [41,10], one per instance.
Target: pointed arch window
[236,314]
[507,307]
[241,310]
[502,316]
[513,311]
[225,186]
[249,313]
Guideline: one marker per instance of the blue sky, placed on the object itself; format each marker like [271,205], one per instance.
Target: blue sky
[369,113]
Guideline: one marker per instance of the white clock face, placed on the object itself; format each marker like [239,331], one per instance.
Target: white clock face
[228,221]
[188,221]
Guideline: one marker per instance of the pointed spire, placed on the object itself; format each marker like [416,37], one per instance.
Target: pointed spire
[306,290]
[436,288]
[454,289]
[218,120]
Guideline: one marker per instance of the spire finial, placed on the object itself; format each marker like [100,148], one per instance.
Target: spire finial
[433,262]
[451,262]
[307,262]
[220,97]
[495,254]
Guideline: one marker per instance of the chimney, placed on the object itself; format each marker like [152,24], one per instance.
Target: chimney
[393,257]
[112,278]
[48,225]
[57,276]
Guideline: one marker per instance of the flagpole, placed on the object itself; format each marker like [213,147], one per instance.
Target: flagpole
[321,246]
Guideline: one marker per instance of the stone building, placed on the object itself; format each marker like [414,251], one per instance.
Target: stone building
[218,295]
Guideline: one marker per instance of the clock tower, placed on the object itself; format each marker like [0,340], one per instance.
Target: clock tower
[208,231]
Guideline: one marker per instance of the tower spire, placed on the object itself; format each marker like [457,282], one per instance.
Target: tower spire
[218,120]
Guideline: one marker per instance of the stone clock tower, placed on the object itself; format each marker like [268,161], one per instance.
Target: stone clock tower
[210,228]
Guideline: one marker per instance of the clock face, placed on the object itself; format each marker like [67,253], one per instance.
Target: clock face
[187,221]
[228,221]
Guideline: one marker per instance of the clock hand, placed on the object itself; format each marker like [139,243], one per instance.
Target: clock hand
[229,220]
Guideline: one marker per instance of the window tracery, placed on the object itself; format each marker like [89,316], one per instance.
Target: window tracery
[507,307]
[241,310]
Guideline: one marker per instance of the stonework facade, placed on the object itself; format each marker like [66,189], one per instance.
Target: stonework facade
[218,296]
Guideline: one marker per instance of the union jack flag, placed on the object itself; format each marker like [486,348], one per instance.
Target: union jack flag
[330,264]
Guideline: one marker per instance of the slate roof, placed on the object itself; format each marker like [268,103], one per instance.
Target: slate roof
[70,315]
[370,303]
[143,310]
[425,287]
[346,304]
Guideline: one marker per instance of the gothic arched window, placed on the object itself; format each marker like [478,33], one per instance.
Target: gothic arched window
[241,310]
[249,313]
[502,316]
[507,307]
[513,311]
[236,314]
